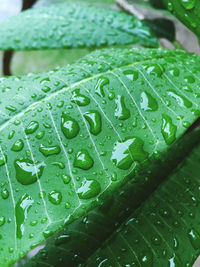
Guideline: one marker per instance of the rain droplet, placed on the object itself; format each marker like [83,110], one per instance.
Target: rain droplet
[121,112]
[83,160]
[131,74]
[55,197]
[147,259]
[4,193]
[27,172]
[100,84]
[32,127]
[18,145]
[194,238]
[168,129]
[66,179]
[2,220]
[89,189]
[148,103]
[49,150]
[69,126]
[3,159]
[127,151]
[21,212]
[94,119]
[80,99]
[181,100]
[154,69]
[188,4]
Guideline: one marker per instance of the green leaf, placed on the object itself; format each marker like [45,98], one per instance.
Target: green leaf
[187,11]
[72,25]
[72,137]
[165,230]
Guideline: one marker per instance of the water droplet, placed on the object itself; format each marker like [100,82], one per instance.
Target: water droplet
[18,145]
[131,74]
[181,100]
[168,129]
[94,119]
[4,193]
[147,259]
[89,189]
[194,238]
[102,81]
[3,159]
[69,126]
[2,220]
[121,112]
[83,160]
[66,179]
[27,172]
[21,212]
[49,150]
[174,72]
[60,165]
[55,197]
[154,69]
[148,103]
[32,127]
[188,4]
[80,99]
[127,151]
[174,262]
[170,6]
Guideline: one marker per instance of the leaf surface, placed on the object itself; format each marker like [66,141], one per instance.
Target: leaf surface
[71,137]
[165,230]
[72,25]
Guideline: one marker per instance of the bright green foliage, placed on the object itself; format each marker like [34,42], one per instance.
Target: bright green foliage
[165,230]
[72,25]
[72,136]
[187,11]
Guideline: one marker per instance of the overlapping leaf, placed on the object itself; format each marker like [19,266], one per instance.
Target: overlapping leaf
[72,25]
[71,137]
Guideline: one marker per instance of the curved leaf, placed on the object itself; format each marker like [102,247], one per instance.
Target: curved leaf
[165,230]
[73,136]
[72,25]
[188,12]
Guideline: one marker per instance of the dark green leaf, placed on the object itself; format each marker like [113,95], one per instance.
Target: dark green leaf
[165,230]
[72,25]
[72,137]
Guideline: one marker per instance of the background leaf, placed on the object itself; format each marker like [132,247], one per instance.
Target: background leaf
[68,25]
[75,138]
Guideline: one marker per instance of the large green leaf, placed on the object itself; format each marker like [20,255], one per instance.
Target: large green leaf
[187,11]
[165,230]
[73,136]
[72,25]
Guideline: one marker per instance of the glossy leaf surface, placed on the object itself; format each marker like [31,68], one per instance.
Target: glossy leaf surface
[72,136]
[72,25]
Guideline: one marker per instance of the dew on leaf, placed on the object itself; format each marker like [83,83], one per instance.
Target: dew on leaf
[148,103]
[146,259]
[3,159]
[49,150]
[88,189]
[83,160]
[188,4]
[80,99]
[121,111]
[181,100]
[18,145]
[66,178]
[2,220]
[168,129]
[4,193]
[27,172]
[131,74]
[32,127]
[99,90]
[94,119]
[55,197]
[153,69]
[194,238]
[21,212]
[127,151]
[69,126]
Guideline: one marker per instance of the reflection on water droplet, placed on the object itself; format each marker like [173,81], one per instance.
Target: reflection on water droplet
[181,100]
[89,189]
[127,151]
[66,179]
[102,81]
[188,4]
[2,220]
[146,259]
[49,150]
[94,119]
[32,127]
[80,99]
[55,197]
[148,103]
[174,262]
[83,160]
[168,129]
[69,126]
[21,212]
[153,69]
[194,238]
[27,172]
[4,193]
[18,145]
[3,159]
[121,112]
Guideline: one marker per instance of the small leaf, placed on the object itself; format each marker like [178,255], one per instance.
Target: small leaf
[72,25]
